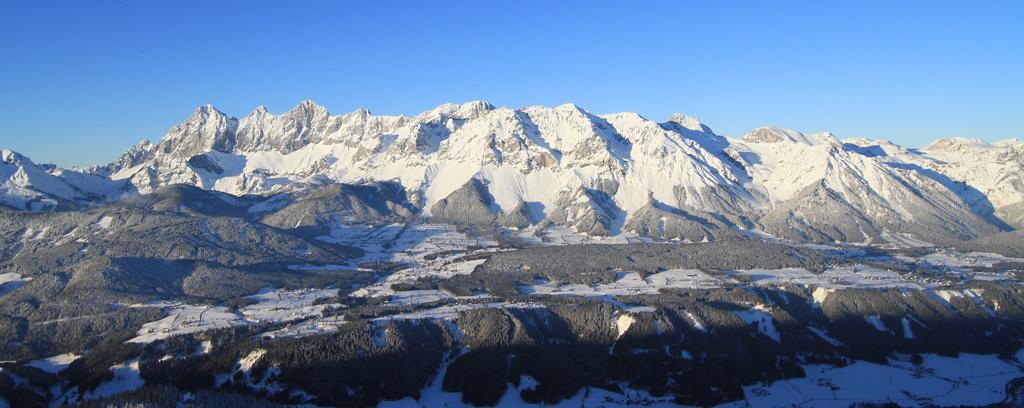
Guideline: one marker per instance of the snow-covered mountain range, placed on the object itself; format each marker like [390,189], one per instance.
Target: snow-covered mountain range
[594,174]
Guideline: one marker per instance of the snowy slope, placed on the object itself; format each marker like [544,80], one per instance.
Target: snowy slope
[26,185]
[994,170]
[822,189]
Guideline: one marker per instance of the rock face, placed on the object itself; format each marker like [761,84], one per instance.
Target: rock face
[596,174]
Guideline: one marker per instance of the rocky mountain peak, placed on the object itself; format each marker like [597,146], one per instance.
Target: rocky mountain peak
[1012,143]
[957,143]
[10,156]
[778,134]
[308,108]
[689,123]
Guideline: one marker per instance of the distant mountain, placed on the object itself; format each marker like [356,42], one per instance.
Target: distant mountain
[25,185]
[595,174]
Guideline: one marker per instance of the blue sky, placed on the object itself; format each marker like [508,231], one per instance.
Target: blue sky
[81,81]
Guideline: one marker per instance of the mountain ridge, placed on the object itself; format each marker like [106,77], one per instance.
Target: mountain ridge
[594,174]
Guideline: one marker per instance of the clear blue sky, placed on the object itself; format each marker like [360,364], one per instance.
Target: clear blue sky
[80,81]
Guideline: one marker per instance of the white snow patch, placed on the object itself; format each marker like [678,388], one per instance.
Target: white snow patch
[876,322]
[820,294]
[244,366]
[105,222]
[54,364]
[824,336]
[949,294]
[908,333]
[694,321]
[204,348]
[10,281]
[622,323]
[126,378]
[760,317]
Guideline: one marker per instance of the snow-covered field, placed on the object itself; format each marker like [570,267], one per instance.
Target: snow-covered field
[452,311]
[957,260]
[403,242]
[440,267]
[54,364]
[271,307]
[317,325]
[429,251]
[415,297]
[970,380]
[841,277]
[558,235]
[279,306]
[631,283]
[126,378]
[184,319]
[836,278]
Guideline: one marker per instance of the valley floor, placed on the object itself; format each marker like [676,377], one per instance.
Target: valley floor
[460,288]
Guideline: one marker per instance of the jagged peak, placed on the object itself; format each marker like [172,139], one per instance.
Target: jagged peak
[477,104]
[772,134]
[689,123]
[11,156]
[472,109]
[1014,142]
[570,107]
[203,114]
[444,108]
[632,116]
[827,137]
[360,114]
[862,141]
[144,144]
[957,143]
[778,134]
[468,110]
[308,106]
[565,110]
[207,110]
[686,121]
